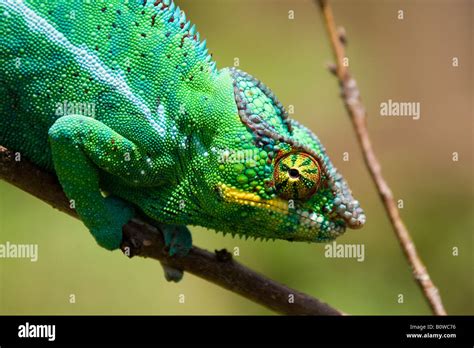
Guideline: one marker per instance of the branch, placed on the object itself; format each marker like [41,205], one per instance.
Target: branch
[357,113]
[142,239]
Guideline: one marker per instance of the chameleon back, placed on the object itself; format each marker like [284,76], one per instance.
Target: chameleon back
[116,62]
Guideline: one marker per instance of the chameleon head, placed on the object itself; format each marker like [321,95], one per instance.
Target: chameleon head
[277,178]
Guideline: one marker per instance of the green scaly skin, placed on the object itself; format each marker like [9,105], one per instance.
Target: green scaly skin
[165,132]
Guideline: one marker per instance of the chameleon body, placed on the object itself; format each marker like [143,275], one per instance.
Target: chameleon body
[121,100]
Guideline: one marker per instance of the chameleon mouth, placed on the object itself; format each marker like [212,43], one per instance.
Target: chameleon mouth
[313,220]
[309,225]
[307,219]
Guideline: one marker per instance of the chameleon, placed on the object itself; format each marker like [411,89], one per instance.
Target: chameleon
[122,101]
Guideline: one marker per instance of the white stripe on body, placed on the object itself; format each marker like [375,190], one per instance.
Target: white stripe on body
[88,60]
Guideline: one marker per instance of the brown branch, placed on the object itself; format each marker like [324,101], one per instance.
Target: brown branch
[142,239]
[357,113]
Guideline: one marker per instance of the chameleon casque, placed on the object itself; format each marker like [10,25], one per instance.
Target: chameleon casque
[167,129]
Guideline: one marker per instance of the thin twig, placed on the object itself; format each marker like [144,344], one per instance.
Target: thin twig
[142,239]
[357,113]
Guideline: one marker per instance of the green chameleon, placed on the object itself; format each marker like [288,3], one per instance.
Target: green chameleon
[123,102]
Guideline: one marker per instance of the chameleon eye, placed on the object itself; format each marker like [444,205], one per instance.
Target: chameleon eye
[296,176]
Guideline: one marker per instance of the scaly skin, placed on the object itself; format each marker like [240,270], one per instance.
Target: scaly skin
[166,133]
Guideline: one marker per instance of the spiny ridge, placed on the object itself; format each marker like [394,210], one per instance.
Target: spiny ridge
[174,15]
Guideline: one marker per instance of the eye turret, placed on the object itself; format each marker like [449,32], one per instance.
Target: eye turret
[296,176]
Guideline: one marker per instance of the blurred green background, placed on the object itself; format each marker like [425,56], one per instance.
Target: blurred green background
[403,60]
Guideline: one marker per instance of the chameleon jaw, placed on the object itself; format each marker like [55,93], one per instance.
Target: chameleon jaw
[309,222]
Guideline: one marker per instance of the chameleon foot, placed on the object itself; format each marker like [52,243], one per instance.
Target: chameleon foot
[177,239]
[109,233]
[172,274]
